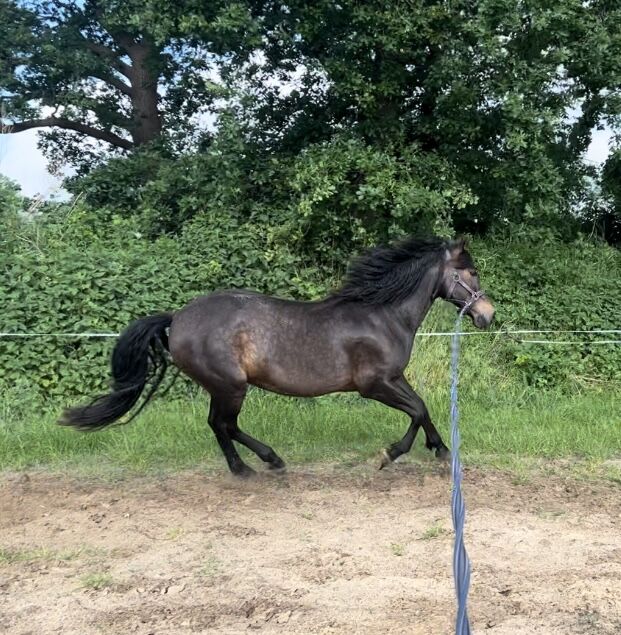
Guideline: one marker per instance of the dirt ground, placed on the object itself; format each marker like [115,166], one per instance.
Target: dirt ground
[320,550]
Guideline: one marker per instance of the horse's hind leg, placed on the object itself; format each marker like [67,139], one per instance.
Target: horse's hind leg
[222,411]
[403,446]
[264,452]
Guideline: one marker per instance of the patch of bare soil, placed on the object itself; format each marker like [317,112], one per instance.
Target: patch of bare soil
[317,551]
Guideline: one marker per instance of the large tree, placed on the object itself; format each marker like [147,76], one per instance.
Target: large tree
[122,72]
[507,92]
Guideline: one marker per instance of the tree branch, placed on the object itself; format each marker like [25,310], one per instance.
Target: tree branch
[120,85]
[110,54]
[59,122]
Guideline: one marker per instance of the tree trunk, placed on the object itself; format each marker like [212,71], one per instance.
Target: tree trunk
[147,121]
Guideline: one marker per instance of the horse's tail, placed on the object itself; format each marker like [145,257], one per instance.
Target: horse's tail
[139,356]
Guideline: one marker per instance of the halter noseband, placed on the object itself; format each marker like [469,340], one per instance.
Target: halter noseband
[474,295]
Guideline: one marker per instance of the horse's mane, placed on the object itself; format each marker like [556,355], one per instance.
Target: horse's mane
[387,275]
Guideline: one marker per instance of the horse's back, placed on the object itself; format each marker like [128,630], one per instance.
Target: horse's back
[281,345]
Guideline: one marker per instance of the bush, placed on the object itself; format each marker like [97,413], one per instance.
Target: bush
[73,272]
[539,282]
[62,279]
[332,198]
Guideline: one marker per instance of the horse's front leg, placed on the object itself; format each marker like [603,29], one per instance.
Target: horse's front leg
[398,394]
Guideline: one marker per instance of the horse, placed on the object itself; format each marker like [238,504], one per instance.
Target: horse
[358,338]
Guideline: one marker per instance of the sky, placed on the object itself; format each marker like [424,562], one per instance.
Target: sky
[22,161]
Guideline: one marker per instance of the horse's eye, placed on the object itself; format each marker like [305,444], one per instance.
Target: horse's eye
[474,273]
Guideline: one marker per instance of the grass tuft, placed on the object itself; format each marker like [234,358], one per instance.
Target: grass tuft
[97,581]
[435,531]
[397,549]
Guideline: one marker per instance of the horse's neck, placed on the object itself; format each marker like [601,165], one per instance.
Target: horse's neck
[412,312]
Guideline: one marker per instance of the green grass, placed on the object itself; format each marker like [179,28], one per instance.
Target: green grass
[97,581]
[397,549]
[495,428]
[42,554]
[12,556]
[433,532]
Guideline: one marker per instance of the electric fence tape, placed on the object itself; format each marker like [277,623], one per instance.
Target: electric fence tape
[506,332]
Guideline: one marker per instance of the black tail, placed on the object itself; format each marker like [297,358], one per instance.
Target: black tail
[139,356]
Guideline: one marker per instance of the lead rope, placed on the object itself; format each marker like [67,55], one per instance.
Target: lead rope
[461,564]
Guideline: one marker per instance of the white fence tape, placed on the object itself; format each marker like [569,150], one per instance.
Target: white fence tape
[420,334]
[73,335]
[521,332]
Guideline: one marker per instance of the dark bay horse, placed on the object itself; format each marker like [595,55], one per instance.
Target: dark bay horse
[359,338]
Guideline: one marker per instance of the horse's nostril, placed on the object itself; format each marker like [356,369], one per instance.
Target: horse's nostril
[482,321]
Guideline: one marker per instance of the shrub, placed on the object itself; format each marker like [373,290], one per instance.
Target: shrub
[72,272]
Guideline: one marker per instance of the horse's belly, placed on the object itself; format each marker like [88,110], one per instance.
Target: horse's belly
[302,380]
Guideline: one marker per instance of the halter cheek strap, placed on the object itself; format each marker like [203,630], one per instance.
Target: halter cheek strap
[474,295]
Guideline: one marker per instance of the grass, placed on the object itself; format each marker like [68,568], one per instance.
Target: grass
[209,568]
[174,533]
[397,549]
[97,581]
[41,554]
[335,428]
[12,556]
[433,532]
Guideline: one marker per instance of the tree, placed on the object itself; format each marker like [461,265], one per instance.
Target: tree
[485,85]
[606,216]
[125,73]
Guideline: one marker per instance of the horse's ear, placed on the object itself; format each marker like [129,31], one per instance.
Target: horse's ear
[458,245]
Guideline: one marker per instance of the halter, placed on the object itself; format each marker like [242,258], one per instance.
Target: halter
[474,295]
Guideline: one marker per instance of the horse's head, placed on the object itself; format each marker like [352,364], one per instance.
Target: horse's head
[460,285]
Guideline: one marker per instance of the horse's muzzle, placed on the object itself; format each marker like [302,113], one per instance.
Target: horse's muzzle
[482,313]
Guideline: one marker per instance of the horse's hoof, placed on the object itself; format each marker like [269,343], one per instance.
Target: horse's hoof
[244,472]
[384,459]
[277,465]
[443,453]
[277,471]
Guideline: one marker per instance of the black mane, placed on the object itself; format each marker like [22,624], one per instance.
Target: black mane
[387,275]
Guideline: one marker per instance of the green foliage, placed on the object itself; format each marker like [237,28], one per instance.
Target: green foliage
[12,203]
[607,218]
[486,86]
[69,272]
[66,279]
[456,116]
[539,282]
[162,192]
[128,74]
[361,122]
[117,186]
[347,194]
[332,199]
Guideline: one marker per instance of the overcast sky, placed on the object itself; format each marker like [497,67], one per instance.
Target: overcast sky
[21,161]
